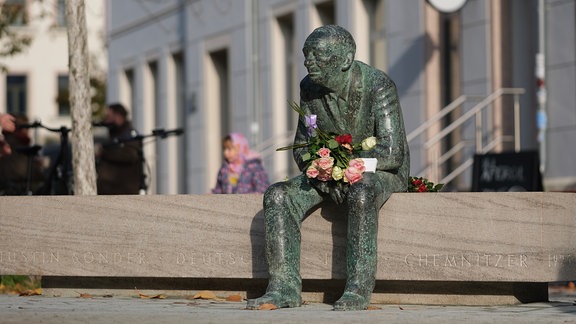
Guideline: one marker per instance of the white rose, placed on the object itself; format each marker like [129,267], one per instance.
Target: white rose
[337,173]
[368,143]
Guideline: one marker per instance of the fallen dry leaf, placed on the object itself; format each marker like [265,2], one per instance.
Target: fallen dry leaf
[267,307]
[144,296]
[159,296]
[234,298]
[31,292]
[205,294]
[373,308]
[84,295]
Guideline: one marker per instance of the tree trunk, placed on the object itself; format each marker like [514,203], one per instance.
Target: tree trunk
[82,136]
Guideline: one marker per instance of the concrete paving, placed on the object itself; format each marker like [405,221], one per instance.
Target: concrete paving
[41,309]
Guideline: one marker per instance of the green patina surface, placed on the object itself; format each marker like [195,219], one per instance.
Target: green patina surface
[348,97]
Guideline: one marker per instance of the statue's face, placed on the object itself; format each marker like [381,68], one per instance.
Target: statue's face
[323,60]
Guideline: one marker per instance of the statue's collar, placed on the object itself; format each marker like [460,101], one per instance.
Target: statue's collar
[353,84]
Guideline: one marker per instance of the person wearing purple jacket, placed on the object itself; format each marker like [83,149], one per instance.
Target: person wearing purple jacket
[242,171]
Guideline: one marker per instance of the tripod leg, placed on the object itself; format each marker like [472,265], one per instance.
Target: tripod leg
[29,175]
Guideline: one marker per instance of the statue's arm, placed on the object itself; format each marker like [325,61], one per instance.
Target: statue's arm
[389,128]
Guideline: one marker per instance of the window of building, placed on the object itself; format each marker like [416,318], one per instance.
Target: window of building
[152,117]
[128,93]
[377,31]
[16,12]
[326,13]
[286,24]
[154,93]
[60,13]
[16,94]
[180,103]
[289,75]
[222,80]
[63,98]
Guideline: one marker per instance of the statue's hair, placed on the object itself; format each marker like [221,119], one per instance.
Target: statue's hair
[336,33]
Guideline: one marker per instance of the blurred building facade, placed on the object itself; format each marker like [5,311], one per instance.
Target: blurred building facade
[216,66]
[35,82]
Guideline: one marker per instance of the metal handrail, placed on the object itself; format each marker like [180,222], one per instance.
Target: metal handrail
[475,112]
[476,109]
[468,163]
[446,110]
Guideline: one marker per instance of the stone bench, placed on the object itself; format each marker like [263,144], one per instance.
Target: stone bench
[433,248]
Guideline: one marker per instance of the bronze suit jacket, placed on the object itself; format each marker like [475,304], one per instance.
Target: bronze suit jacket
[372,108]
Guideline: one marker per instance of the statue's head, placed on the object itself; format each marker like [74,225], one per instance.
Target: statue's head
[328,54]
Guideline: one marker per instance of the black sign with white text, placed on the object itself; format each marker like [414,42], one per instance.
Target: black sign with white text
[507,172]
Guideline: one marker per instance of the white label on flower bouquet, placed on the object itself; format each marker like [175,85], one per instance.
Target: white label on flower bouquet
[370,164]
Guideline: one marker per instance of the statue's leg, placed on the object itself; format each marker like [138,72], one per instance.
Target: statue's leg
[285,204]
[364,201]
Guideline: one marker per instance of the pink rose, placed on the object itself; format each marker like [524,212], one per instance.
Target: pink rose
[353,175]
[324,152]
[357,164]
[312,172]
[325,163]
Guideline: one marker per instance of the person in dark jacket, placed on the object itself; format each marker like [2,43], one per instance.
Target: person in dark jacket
[242,170]
[119,160]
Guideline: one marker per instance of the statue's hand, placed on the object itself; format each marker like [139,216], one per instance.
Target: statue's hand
[321,186]
[337,194]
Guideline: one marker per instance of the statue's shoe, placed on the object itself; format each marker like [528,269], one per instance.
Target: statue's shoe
[280,300]
[351,301]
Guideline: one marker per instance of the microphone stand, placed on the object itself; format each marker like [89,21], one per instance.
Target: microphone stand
[61,167]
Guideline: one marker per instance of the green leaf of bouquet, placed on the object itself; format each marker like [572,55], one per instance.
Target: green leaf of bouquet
[291,147]
[306,156]
[296,108]
[332,144]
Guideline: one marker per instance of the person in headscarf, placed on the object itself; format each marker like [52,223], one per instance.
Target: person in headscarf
[242,170]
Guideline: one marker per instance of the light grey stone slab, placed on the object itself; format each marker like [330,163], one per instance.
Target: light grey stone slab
[485,237]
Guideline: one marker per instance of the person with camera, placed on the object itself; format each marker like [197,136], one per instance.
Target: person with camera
[119,159]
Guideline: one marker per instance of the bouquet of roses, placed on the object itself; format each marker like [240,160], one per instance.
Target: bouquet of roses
[329,155]
[419,184]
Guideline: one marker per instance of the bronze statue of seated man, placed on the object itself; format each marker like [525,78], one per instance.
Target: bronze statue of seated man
[345,97]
